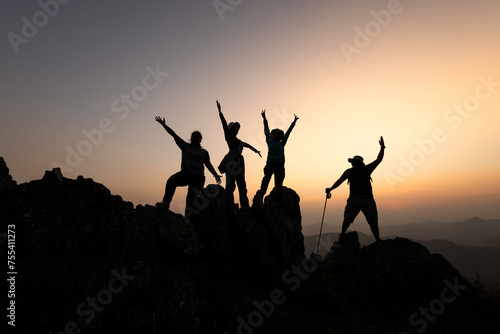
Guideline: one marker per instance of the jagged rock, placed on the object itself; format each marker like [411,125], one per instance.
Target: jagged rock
[384,283]
[9,199]
[285,224]
[214,272]
[210,219]
[6,181]
[268,235]
[165,228]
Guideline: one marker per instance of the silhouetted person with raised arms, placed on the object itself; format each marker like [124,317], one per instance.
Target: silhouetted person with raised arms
[192,170]
[275,164]
[360,192]
[233,164]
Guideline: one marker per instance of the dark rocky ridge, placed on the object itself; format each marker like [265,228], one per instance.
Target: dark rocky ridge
[89,261]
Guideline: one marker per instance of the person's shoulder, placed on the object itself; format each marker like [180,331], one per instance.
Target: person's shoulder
[181,142]
[348,171]
[237,141]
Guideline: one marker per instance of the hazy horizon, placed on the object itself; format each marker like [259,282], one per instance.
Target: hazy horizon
[333,213]
[83,81]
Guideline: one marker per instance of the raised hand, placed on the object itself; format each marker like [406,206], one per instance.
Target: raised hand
[381,142]
[160,120]
[263,114]
[296,118]
[218,106]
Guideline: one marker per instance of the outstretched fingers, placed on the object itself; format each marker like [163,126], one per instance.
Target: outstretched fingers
[160,120]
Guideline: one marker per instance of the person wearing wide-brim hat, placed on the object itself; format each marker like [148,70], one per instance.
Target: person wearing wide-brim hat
[275,164]
[360,192]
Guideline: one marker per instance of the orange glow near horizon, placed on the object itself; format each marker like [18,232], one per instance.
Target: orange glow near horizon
[405,86]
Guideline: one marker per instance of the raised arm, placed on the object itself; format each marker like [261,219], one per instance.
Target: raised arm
[222,119]
[267,133]
[167,128]
[287,134]
[212,169]
[252,148]
[381,152]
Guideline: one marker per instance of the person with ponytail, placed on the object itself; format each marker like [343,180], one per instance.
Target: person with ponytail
[233,164]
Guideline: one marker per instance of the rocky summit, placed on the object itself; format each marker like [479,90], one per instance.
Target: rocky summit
[89,262]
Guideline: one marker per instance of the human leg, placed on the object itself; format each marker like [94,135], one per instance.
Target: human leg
[369,209]
[230,186]
[279,174]
[242,185]
[351,210]
[195,183]
[376,234]
[242,190]
[177,180]
[268,172]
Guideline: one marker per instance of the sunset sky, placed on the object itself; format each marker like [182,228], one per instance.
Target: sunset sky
[423,74]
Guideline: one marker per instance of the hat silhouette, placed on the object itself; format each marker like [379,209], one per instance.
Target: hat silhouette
[356,158]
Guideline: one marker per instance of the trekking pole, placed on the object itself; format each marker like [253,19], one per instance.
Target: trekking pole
[328,195]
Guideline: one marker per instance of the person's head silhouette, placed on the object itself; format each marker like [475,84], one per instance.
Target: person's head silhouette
[233,128]
[196,138]
[356,161]
[277,134]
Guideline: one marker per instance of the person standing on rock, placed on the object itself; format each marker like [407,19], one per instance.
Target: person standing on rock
[233,164]
[192,170]
[360,192]
[275,164]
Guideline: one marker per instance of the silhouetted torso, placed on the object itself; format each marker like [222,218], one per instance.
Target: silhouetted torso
[233,142]
[360,180]
[276,148]
[193,158]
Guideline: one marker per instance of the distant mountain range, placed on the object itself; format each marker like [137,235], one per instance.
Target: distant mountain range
[467,259]
[471,232]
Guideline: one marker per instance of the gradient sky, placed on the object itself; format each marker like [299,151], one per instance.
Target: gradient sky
[425,75]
